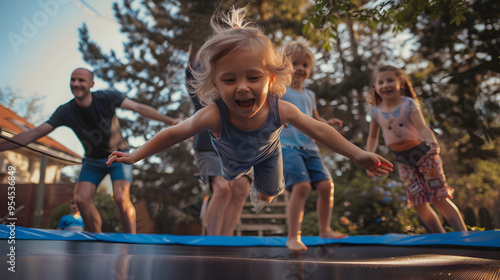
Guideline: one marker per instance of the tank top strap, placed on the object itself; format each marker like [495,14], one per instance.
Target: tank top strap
[224,118]
[274,109]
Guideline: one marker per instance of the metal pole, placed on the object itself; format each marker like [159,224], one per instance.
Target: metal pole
[40,193]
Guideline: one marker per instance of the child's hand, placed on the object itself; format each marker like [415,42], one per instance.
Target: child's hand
[373,163]
[434,147]
[335,122]
[119,157]
[178,120]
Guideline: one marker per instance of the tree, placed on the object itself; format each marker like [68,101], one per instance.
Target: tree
[457,70]
[28,108]
[327,14]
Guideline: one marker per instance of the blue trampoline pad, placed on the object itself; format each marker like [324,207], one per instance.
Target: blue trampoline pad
[488,239]
[52,254]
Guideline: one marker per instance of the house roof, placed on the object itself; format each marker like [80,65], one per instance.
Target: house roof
[11,122]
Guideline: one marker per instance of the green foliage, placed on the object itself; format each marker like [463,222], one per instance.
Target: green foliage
[475,228]
[326,15]
[61,210]
[479,188]
[374,206]
[365,206]
[483,182]
[460,84]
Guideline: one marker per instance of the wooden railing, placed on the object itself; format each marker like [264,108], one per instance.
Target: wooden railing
[271,220]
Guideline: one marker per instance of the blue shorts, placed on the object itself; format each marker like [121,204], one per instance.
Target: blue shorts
[269,175]
[94,169]
[302,165]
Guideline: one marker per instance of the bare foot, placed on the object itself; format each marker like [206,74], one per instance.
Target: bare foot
[333,234]
[296,245]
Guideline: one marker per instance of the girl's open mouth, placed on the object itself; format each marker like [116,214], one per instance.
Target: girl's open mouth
[245,103]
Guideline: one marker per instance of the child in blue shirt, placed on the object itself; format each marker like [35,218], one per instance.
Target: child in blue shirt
[304,167]
[72,222]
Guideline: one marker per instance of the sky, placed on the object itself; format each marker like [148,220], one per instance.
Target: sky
[39,50]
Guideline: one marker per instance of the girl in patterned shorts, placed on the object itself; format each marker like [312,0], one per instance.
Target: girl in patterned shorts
[397,111]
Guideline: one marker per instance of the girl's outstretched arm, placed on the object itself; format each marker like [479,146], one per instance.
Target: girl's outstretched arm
[204,119]
[417,119]
[332,139]
[372,141]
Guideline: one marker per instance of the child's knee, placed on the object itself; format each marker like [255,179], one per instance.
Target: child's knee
[325,188]
[302,189]
[264,197]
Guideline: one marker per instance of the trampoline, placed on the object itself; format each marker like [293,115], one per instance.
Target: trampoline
[53,254]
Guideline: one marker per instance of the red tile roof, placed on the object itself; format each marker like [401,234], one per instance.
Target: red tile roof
[11,122]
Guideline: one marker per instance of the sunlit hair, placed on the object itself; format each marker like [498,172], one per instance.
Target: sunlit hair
[231,33]
[299,45]
[406,85]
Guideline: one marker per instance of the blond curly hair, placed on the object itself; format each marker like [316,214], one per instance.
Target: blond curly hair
[232,33]
[299,45]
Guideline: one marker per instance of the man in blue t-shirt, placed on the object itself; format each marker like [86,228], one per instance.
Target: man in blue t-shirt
[91,115]
[73,221]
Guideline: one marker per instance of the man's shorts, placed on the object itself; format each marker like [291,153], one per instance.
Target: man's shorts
[426,181]
[208,164]
[93,170]
[301,165]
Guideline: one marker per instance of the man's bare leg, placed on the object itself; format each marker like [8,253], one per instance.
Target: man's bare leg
[84,196]
[126,210]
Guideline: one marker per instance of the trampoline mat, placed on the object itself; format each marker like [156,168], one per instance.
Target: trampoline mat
[60,259]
